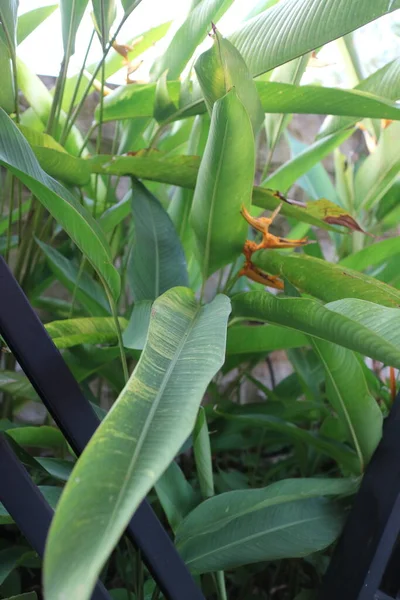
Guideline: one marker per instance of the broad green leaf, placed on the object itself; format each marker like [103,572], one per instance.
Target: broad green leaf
[129,5]
[311,99]
[157,260]
[311,317]
[175,494]
[56,467]
[190,34]
[10,559]
[29,21]
[104,13]
[270,39]
[348,393]
[223,185]
[138,101]
[87,291]
[219,70]
[202,455]
[17,157]
[163,105]
[341,453]
[183,170]
[7,102]
[384,82]
[184,350]
[114,62]
[372,255]
[38,437]
[17,385]
[379,170]
[53,158]
[25,596]
[175,170]
[249,339]
[71,15]
[135,334]
[91,330]
[284,177]
[289,518]
[8,18]
[113,216]
[325,280]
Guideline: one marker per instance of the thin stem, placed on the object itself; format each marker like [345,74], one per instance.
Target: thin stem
[63,136]
[156,593]
[139,575]
[97,69]
[13,65]
[81,269]
[118,328]
[100,120]
[220,585]
[11,208]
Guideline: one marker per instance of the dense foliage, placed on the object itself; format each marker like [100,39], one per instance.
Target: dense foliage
[249,375]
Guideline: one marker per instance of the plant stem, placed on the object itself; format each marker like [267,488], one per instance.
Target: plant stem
[97,69]
[156,593]
[63,136]
[118,328]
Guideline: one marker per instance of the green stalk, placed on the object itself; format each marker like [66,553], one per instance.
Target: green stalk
[100,121]
[14,66]
[114,312]
[94,75]
[63,137]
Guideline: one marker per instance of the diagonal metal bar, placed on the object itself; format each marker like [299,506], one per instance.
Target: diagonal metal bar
[61,394]
[23,500]
[369,536]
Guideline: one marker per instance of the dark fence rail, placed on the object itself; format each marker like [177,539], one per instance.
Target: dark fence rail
[43,364]
[366,561]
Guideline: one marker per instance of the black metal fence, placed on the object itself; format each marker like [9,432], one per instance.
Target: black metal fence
[366,561]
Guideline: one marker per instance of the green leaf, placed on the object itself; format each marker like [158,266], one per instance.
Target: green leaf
[175,170]
[175,494]
[87,291]
[38,437]
[104,13]
[7,102]
[219,70]
[17,385]
[190,34]
[26,596]
[286,519]
[348,393]
[93,330]
[223,185]
[8,18]
[184,350]
[157,260]
[135,334]
[10,559]
[138,101]
[56,467]
[129,5]
[372,255]
[325,280]
[287,175]
[15,215]
[326,322]
[311,99]
[202,455]
[29,21]
[384,82]
[249,339]
[379,170]
[282,42]
[71,16]
[163,105]
[17,157]
[253,418]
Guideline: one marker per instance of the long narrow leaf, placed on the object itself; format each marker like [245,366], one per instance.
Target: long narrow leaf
[151,419]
